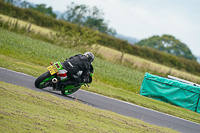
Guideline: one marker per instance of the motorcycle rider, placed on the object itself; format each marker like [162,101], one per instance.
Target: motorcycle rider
[74,65]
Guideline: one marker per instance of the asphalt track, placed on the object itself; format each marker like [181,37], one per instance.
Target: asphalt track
[106,103]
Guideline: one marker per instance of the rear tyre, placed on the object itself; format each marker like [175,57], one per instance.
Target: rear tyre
[42,79]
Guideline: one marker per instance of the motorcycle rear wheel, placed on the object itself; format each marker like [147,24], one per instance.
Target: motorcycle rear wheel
[42,79]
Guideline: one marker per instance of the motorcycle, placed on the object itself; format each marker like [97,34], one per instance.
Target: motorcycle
[57,74]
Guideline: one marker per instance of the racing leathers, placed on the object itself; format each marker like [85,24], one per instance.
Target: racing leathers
[78,70]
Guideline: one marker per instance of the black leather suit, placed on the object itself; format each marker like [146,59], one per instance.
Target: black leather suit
[75,64]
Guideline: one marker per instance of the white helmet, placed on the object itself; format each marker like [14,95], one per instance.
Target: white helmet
[90,56]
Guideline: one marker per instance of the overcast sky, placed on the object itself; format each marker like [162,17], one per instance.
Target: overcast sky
[144,18]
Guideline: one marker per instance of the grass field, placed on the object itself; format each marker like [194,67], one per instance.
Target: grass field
[20,53]
[140,64]
[21,23]
[25,110]
[42,53]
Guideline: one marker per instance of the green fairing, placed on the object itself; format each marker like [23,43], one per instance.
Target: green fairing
[60,65]
[71,89]
[171,91]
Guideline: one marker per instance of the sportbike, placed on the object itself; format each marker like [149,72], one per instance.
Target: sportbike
[57,74]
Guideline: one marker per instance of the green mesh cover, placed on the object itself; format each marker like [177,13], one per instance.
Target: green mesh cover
[171,91]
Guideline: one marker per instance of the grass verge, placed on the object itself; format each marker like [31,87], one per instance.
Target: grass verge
[24,110]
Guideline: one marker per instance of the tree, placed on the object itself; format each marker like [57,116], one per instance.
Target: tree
[10,1]
[25,4]
[85,16]
[42,8]
[14,2]
[39,7]
[169,44]
[75,13]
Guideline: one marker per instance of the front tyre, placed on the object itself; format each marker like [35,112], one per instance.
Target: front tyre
[42,79]
[70,91]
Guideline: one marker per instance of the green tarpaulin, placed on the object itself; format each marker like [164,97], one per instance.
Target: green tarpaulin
[171,91]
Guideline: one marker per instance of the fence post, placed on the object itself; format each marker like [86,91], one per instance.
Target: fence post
[122,57]
[29,28]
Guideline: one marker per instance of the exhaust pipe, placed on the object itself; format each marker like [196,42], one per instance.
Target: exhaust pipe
[54,80]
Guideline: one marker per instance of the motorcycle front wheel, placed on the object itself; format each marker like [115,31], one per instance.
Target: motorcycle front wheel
[70,91]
